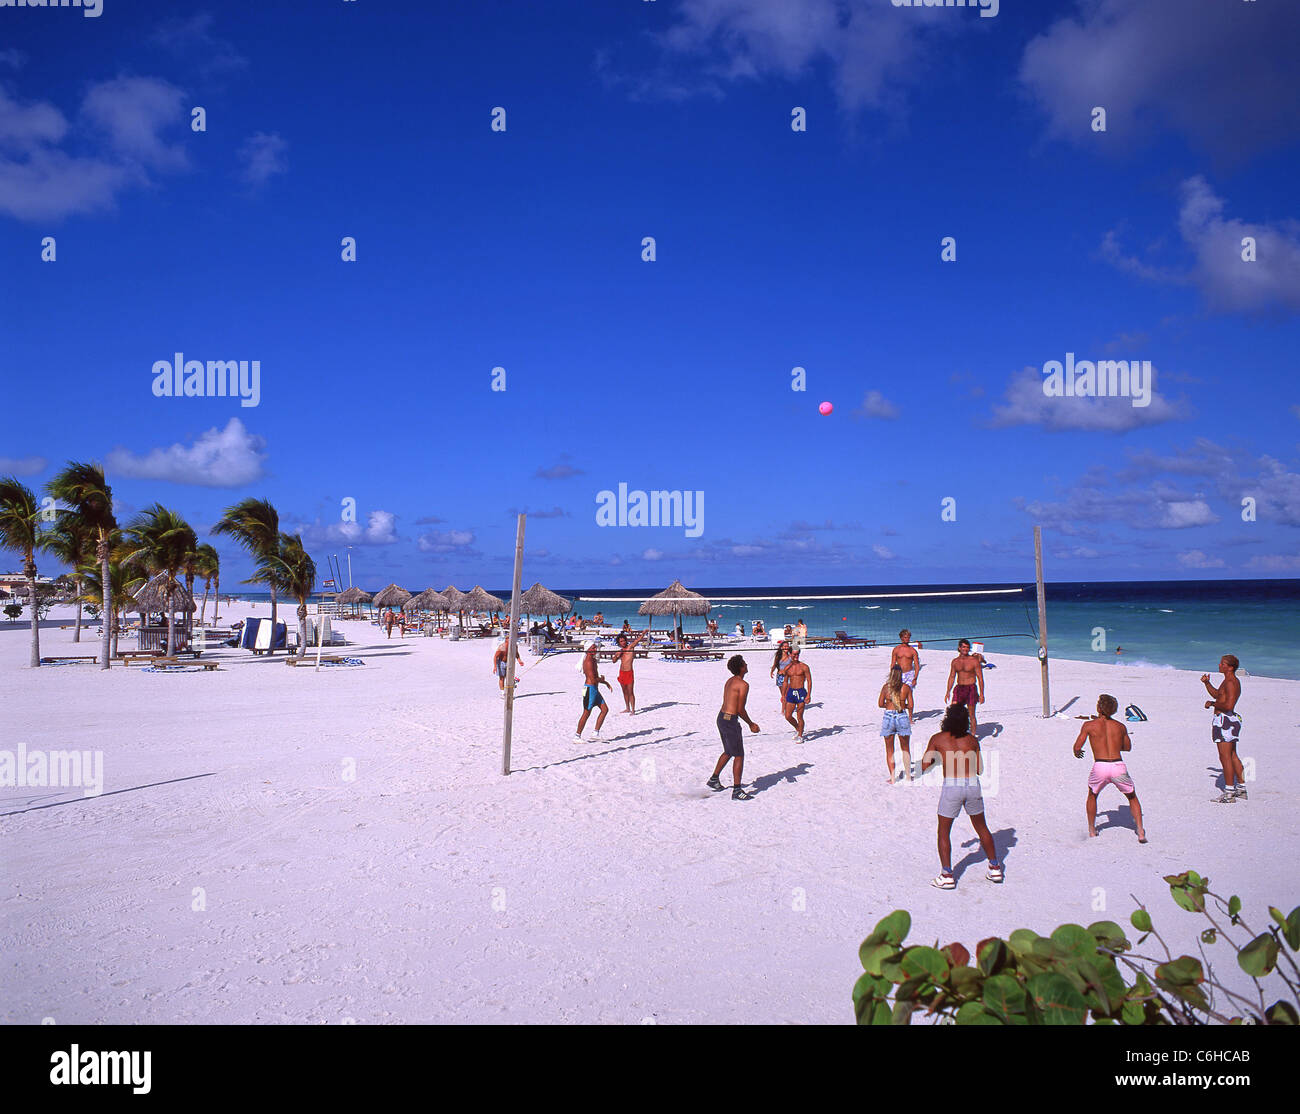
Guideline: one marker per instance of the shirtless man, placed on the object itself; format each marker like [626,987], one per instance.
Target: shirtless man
[1226,728]
[801,634]
[734,694]
[1109,739]
[906,658]
[959,751]
[500,660]
[968,673]
[796,692]
[591,698]
[626,675]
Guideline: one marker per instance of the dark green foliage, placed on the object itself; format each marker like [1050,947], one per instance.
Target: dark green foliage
[1077,974]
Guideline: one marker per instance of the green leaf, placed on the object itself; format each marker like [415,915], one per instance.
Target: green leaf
[992,955]
[896,926]
[908,991]
[1276,914]
[902,1014]
[1003,995]
[1282,1013]
[1187,899]
[879,1014]
[972,1013]
[1022,941]
[927,962]
[1209,936]
[872,956]
[1141,920]
[1234,905]
[1074,940]
[1292,929]
[1259,957]
[1133,1013]
[1195,879]
[966,981]
[891,968]
[1058,1002]
[1110,935]
[1183,971]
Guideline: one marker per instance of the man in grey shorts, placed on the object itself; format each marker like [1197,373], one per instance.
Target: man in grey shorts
[959,751]
[732,715]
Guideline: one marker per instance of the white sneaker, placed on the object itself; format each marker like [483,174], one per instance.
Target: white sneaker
[595,738]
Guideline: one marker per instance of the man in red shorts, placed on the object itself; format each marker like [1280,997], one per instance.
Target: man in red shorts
[626,674]
[967,671]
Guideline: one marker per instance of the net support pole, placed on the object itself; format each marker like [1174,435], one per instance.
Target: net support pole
[1042,619]
[511,644]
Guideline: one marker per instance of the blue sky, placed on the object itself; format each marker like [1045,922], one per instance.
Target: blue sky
[775,249]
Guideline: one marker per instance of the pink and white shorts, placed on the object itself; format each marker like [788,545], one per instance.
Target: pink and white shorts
[1109,773]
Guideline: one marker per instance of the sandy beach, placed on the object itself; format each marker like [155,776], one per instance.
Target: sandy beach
[281,845]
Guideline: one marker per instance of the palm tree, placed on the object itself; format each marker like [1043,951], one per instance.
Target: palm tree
[207,563]
[123,584]
[160,541]
[84,490]
[294,572]
[73,544]
[255,525]
[20,530]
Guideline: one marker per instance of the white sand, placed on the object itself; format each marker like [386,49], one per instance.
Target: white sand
[597,883]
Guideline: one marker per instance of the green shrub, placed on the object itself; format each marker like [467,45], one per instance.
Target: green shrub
[1079,974]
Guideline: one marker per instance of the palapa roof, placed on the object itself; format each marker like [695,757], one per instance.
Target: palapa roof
[392,596]
[538,600]
[476,599]
[676,599]
[151,596]
[455,597]
[428,600]
[353,595]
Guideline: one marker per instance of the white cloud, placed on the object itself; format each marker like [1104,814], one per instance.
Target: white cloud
[1275,562]
[263,157]
[22,465]
[229,457]
[1195,559]
[1218,72]
[652,554]
[1024,403]
[49,170]
[380,529]
[1227,282]
[883,552]
[445,541]
[1191,512]
[876,405]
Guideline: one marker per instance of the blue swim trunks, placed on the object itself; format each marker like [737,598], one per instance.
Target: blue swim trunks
[796,696]
[591,698]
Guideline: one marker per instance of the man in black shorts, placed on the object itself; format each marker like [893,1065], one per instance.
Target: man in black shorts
[734,694]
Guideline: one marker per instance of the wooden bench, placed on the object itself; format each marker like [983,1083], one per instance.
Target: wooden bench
[135,657]
[168,662]
[310,659]
[692,655]
[71,657]
[614,655]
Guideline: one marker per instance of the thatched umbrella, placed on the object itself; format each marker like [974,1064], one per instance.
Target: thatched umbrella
[152,597]
[428,600]
[675,600]
[392,596]
[542,601]
[353,596]
[478,600]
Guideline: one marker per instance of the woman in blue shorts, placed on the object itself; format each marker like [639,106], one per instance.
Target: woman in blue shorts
[896,699]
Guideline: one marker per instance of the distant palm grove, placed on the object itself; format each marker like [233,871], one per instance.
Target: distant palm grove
[111,562]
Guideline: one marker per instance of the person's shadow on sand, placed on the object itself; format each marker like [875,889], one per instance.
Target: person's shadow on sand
[926,715]
[822,733]
[1003,841]
[988,731]
[1116,818]
[662,704]
[768,781]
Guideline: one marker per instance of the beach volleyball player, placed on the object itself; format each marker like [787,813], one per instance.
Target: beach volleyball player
[1109,740]
[1225,728]
[733,714]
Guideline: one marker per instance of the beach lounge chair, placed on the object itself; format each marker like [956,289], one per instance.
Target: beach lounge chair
[843,641]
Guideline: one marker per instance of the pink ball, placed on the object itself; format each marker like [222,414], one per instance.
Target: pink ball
[825,408]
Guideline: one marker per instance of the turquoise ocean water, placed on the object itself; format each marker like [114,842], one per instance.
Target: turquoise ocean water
[1175,624]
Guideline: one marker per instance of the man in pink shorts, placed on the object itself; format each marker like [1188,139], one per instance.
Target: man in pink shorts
[1109,739]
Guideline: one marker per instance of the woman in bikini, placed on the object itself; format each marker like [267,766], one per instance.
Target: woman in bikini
[896,699]
[780,663]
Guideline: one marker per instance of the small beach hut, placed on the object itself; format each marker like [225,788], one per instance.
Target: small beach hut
[539,600]
[476,599]
[150,598]
[676,600]
[392,596]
